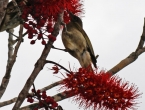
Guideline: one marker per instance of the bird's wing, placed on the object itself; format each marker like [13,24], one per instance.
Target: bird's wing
[90,47]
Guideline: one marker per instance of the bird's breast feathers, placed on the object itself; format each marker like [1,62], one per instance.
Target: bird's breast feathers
[73,40]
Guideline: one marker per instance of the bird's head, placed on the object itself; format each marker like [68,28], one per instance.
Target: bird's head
[75,18]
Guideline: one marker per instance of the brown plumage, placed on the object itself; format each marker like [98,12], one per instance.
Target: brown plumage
[77,42]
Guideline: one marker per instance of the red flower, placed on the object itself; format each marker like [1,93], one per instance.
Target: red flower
[30,100]
[32,42]
[44,95]
[39,36]
[44,100]
[55,68]
[52,38]
[43,42]
[42,14]
[100,90]
[38,91]
[30,35]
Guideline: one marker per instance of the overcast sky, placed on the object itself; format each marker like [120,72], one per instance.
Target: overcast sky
[114,28]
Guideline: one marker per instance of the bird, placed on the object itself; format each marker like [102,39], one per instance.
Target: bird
[77,42]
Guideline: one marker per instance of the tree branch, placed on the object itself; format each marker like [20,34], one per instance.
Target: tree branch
[132,57]
[11,60]
[142,39]
[5,80]
[38,66]
[8,102]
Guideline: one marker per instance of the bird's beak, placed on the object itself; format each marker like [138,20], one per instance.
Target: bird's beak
[71,14]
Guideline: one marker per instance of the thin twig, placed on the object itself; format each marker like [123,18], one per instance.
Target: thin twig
[48,61]
[65,50]
[25,34]
[12,33]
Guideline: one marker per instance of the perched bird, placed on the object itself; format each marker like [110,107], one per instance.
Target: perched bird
[77,43]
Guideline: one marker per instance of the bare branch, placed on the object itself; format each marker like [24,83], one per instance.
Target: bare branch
[10,46]
[5,79]
[142,39]
[8,102]
[51,86]
[11,60]
[132,57]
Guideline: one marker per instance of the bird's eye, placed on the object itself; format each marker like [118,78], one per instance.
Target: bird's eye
[76,19]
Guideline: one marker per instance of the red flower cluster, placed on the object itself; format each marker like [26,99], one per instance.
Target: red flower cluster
[100,90]
[44,100]
[55,68]
[40,16]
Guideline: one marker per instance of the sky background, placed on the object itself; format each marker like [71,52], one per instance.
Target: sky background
[114,28]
